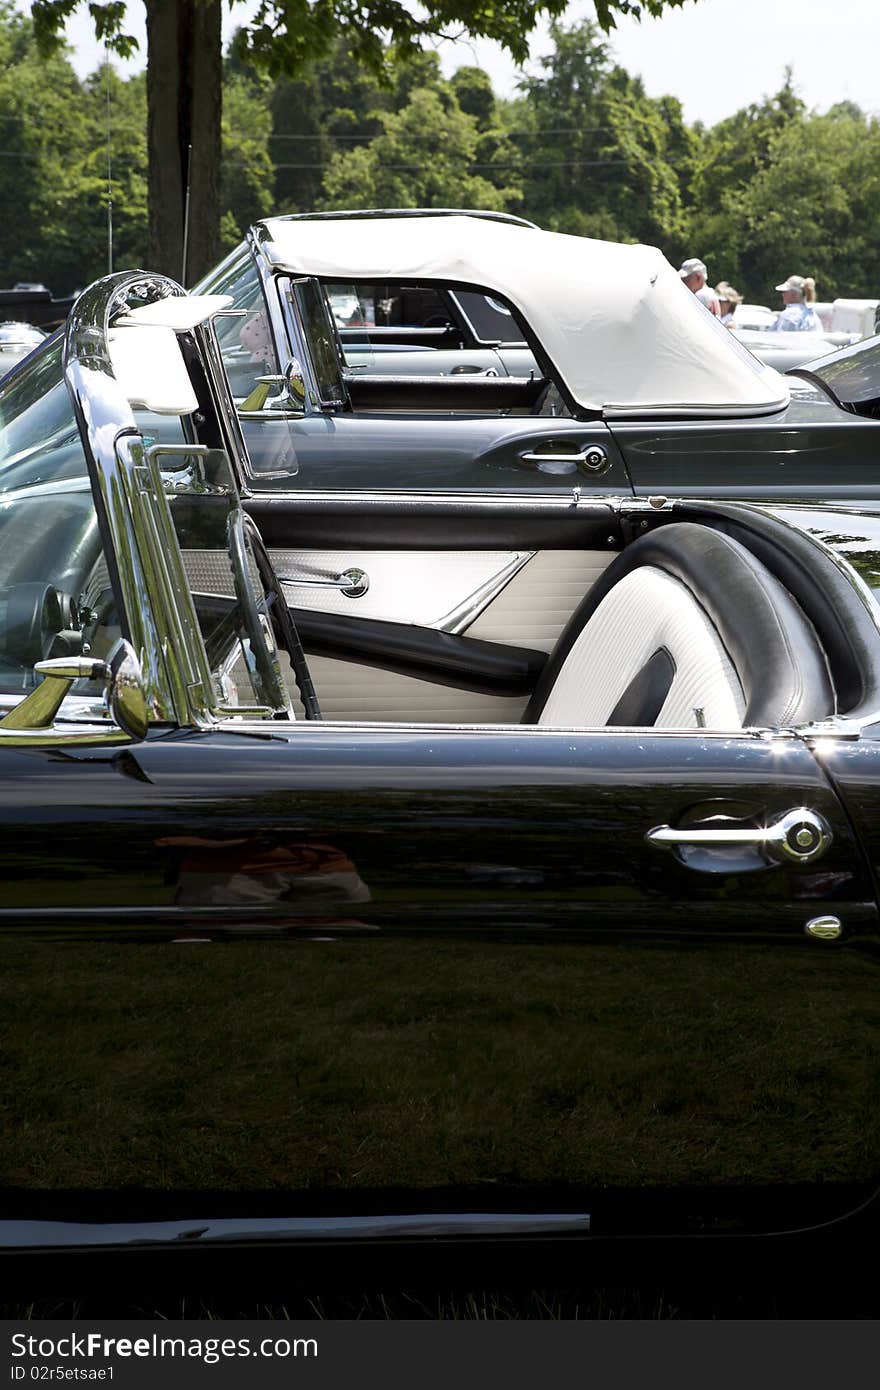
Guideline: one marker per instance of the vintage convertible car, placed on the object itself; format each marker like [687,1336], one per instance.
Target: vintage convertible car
[433,382]
[562,927]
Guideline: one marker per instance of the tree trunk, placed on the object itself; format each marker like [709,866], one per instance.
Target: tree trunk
[184,96]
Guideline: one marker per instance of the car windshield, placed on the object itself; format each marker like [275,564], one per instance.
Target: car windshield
[57,595]
[56,598]
[851,376]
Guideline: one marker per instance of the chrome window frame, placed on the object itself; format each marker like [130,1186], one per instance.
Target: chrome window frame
[143,556]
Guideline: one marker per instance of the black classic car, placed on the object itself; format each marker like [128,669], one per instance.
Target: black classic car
[562,922]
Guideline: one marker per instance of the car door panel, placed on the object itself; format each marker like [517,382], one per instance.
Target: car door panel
[428,601]
[442,451]
[432,967]
[423,652]
[527,603]
[530,610]
[428,565]
[809,450]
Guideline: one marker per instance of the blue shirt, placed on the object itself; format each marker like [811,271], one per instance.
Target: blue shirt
[800,318]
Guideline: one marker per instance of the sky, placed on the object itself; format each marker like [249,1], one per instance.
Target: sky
[716,56]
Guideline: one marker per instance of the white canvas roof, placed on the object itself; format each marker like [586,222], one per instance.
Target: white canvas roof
[623,332]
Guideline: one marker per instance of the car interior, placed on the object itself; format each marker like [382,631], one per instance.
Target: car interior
[413,349]
[698,622]
[482,611]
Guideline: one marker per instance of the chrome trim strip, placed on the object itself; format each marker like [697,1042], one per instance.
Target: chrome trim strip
[350,500]
[82,736]
[467,612]
[303,729]
[440,589]
[420,1225]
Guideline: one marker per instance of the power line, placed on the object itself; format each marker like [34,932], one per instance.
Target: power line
[511,134]
[501,164]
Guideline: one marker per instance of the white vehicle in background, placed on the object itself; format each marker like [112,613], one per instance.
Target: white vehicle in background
[16,341]
[851,316]
[845,321]
[753,318]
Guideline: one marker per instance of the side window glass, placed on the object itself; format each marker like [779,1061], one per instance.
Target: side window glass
[489,319]
[56,597]
[246,343]
[319,335]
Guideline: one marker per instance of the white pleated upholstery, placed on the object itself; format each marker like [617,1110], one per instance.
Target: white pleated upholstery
[538,602]
[646,611]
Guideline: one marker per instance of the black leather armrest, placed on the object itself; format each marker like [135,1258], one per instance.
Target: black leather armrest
[444,658]
[378,391]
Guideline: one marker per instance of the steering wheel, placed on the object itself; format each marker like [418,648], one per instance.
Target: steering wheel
[40,621]
[282,623]
[261,659]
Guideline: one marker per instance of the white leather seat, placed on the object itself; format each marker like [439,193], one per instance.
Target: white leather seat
[648,611]
[686,628]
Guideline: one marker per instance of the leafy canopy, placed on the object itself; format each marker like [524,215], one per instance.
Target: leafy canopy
[284,36]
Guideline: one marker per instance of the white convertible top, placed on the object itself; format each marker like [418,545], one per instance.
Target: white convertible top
[622,331]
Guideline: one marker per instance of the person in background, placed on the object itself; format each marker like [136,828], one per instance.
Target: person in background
[694,274]
[728,298]
[798,294]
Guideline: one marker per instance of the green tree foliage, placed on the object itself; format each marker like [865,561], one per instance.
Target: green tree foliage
[439,144]
[599,152]
[282,38]
[248,174]
[422,158]
[334,104]
[54,132]
[812,207]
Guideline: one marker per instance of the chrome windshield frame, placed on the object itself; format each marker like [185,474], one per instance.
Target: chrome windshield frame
[104,417]
[158,614]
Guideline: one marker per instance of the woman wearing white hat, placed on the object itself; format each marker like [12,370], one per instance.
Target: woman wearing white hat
[798,293]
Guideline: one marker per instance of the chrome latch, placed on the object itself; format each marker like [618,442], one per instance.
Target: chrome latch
[592,459]
[351,583]
[799,836]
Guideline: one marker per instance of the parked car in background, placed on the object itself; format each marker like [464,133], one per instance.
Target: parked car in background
[845,321]
[754,325]
[16,341]
[505,360]
[561,926]
[31,300]
[783,351]
[856,317]
[754,317]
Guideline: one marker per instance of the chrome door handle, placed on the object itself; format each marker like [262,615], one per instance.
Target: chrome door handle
[593,459]
[352,583]
[799,836]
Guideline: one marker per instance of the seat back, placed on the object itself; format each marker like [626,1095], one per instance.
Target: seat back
[685,629]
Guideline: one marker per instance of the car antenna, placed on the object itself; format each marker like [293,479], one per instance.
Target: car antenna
[189,151]
[109,162]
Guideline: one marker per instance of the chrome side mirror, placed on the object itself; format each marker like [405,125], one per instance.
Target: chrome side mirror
[295,382]
[124,691]
[125,694]
[293,396]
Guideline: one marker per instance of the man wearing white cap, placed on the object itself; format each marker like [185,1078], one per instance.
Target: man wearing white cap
[694,274]
[798,293]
